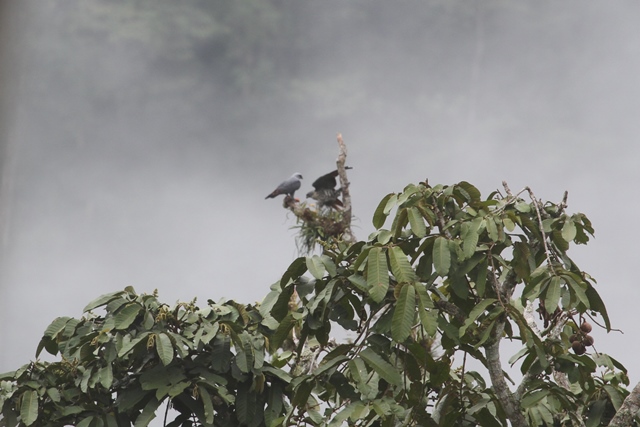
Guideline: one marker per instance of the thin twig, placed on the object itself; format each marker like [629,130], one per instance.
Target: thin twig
[544,235]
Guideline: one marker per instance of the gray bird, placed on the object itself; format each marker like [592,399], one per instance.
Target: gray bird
[288,186]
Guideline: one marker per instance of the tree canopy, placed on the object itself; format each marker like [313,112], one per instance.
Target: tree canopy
[449,280]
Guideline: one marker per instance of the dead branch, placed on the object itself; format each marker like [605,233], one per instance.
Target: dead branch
[344,184]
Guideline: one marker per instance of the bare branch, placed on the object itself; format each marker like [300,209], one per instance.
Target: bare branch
[344,184]
[505,396]
[627,412]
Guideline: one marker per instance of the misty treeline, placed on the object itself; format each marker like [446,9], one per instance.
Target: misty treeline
[218,65]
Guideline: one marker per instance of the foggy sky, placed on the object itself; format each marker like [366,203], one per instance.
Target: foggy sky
[129,185]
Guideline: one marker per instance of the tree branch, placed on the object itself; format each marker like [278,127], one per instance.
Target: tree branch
[500,387]
[627,412]
[344,185]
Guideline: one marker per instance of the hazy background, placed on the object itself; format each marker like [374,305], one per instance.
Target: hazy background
[139,139]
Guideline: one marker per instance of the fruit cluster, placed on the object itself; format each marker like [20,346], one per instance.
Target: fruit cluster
[581,340]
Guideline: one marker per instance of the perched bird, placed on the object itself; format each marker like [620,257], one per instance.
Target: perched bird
[288,186]
[325,192]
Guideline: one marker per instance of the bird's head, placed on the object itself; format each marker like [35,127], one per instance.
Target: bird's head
[297,175]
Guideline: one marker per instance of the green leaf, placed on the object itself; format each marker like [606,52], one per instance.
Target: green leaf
[382,211]
[377,274]
[282,332]
[302,392]
[552,294]
[400,266]
[127,315]
[417,223]
[315,266]
[595,413]
[244,353]
[533,397]
[404,313]
[470,239]
[164,347]
[428,316]
[329,265]
[207,403]
[128,346]
[102,300]
[383,368]
[296,269]
[616,396]
[358,281]
[569,230]
[441,256]
[86,422]
[29,407]
[472,192]
[281,306]
[596,303]
[148,413]
[492,229]
[106,376]
[475,313]
[56,327]
[575,285]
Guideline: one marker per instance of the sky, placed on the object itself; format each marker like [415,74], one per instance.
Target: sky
[144,200]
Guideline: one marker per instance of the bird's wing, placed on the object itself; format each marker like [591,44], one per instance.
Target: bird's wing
[327,181]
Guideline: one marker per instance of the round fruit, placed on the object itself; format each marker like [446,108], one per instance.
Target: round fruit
[573,338]
[586,327]
[578,347]
[588,340]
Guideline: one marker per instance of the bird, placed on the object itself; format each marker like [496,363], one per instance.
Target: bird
[325,192]
[288,186]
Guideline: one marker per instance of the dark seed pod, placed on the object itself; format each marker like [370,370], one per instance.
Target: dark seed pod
[573,338]
[586,327]
[578,347]
[588,340]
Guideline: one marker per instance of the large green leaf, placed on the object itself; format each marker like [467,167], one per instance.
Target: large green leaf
[596,303]
[86,422]
[470,238]
[417,223]
[475,313]
[576,285]
[127,346]
[428,315]
[102,300]
[282,332]
[148,413]
[296,269]
[208,405]
[377,274]
[569,230]
[29,407]
[383,368]
[404,313]
[315,266]
[441,256]
[382,211]
[56,327]
[127,315]
[164,347]
[552,294]
[400,266]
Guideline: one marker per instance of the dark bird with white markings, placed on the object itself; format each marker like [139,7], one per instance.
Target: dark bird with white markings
[325,192]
